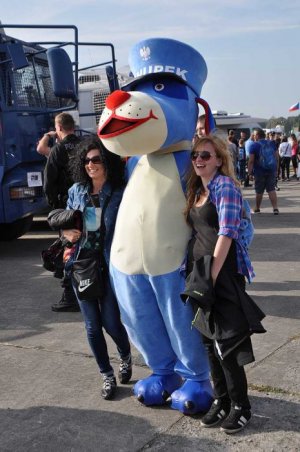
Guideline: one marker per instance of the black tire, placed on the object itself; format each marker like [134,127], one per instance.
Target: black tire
[12,231]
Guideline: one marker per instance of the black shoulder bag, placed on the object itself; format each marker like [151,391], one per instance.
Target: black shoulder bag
[88,274]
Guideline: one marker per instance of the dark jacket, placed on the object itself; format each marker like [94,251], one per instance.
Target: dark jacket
[199,286]
[65,219]
[57,174]
[225,312]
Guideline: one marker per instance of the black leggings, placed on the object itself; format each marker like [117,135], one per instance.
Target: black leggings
[229,379]
[285,166]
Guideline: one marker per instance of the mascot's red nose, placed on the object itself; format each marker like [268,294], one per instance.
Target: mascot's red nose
[117,98]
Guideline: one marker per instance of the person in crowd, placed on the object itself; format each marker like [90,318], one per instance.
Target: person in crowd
[295,153]
[57,174]
[100,176]
[58,179]
[248,144]
[272,137]
[232,138]
[265,179]
[214,211]
[243,135]
[247,147]
[233,149]
[242,160]
[277,140]
[285,153]
[200,127]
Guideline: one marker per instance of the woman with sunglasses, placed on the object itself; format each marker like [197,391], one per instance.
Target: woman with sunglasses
[100,183]
[214,211]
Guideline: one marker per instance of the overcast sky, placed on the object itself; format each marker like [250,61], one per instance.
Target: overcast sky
[251,47]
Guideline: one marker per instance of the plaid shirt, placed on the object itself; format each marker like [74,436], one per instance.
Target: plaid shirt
[227,198]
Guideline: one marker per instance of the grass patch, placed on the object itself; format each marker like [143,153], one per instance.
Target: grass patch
[272,390]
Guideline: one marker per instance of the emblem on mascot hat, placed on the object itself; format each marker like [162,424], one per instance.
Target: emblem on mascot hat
[145,53]
[168,57]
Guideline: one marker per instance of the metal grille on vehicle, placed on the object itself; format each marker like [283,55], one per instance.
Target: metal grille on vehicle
[99,98]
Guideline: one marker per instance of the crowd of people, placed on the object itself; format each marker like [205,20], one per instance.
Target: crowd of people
[284,157]
[288,157]
[80,174]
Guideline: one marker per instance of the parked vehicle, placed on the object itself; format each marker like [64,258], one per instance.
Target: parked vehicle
[239,122]
[37,81]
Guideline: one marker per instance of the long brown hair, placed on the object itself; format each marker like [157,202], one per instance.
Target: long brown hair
[194,182]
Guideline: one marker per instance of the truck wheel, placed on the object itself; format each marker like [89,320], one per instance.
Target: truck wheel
[11,231]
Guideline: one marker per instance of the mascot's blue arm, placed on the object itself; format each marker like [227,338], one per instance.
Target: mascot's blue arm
[130,165]
[183,163]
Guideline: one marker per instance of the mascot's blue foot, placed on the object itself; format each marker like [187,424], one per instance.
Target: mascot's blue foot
[192,397]
[156,389]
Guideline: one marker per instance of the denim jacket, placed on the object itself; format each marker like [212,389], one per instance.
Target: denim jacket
[79,198]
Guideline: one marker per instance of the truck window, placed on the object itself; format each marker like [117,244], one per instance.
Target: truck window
[29,87]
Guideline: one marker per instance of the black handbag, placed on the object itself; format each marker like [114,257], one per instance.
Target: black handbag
[89,273]
[52,257]
[88,278]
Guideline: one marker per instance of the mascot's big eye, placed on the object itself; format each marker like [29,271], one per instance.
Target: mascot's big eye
[159,87]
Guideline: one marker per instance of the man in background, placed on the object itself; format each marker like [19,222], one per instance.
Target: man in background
[232,138]
[265,177]
[57,180]
[200,128]
[57,174]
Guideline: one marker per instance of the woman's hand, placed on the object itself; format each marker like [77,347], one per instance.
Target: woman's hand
[72,235]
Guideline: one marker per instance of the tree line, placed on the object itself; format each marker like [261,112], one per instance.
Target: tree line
[291,123]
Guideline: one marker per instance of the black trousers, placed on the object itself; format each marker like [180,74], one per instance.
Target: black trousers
[285,167]
[229,378]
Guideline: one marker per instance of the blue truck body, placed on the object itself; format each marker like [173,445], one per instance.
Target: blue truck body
[37,81]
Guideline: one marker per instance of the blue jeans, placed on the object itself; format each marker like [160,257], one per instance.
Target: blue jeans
[104,314]
[242,169]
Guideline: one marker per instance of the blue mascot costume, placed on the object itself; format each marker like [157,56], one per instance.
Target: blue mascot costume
[153,118]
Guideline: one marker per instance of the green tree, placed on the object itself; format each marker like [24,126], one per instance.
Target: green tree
[289,123]
[271,123]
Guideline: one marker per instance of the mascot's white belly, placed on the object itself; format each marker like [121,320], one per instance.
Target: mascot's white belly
[151,233]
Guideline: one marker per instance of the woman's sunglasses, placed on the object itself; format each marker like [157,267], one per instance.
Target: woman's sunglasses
[95,160]
[204,155]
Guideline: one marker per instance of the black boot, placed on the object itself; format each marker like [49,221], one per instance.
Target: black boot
[67,303]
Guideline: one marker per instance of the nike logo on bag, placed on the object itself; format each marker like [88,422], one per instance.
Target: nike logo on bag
[83,285]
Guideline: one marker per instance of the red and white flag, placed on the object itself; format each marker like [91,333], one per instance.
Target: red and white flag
[295,107]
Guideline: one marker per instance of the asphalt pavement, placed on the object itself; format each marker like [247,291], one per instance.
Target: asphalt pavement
[50,387]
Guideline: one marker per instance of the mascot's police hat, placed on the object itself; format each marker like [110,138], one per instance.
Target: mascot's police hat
[167,57]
